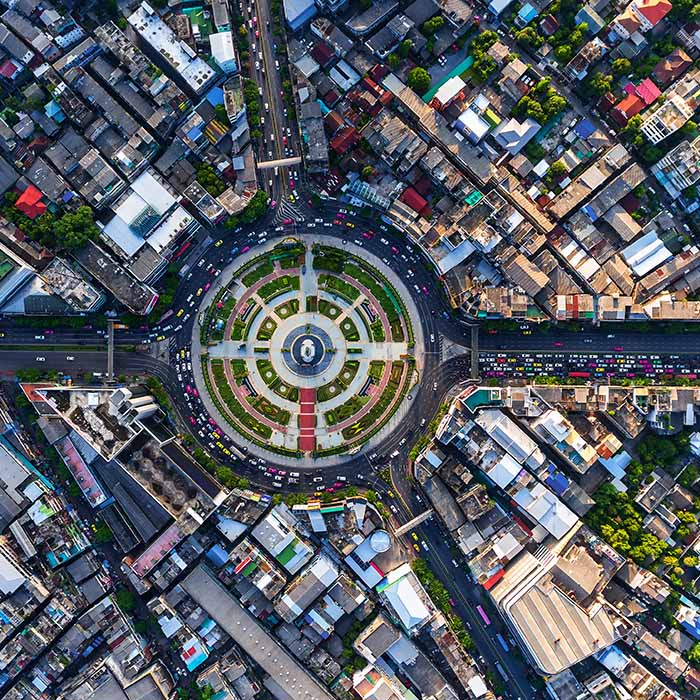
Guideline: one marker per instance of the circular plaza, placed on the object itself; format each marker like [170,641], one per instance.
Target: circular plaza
[307,350]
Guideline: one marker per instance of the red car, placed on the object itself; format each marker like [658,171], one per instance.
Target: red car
[425,290]
[286,222]
[188,389]
[206,286]
[195,393]
[245,249]
[366,235]
[192,420]
[558,344]
[284,140]
[618,348]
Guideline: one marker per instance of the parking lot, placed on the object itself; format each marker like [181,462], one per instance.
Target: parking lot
[589,366]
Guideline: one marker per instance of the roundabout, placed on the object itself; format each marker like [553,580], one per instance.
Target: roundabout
[307,350]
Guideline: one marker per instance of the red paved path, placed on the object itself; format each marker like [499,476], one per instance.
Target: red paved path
[307,419]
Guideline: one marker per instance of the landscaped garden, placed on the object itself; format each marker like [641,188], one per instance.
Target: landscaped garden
[322,351]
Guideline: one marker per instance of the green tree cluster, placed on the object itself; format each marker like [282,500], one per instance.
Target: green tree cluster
[440,596]
[541,104]
[207,178]
[64,232]
[483,68]
[599,83]
[418,79]
[529,39]
[433,25]
[616,518]
[126,600]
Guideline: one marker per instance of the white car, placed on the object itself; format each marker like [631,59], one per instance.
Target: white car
[70,358]
[41,359]
[257,65]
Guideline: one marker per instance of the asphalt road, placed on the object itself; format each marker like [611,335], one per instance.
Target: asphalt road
[465,594]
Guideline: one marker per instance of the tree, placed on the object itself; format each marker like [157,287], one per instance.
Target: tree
[393,60]
[75,230]
[405,48]
[557,169]
[367,172]
[483,67]
[431,26]
[600,83]
[208,179]
[694,655]
[126,600]
[103,535]
[529,38]
[256,207]
[553,105]
[563,53]
[418,79]
[621,66]
[482,42]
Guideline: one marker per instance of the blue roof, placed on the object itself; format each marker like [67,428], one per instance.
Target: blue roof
[584,128]
[215,96]
[217,555]
[527,12]
[557,482]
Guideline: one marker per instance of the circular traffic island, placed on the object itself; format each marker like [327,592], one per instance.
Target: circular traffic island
[307,350]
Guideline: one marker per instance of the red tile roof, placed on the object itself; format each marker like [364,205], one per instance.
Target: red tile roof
[344,140]
[8,70]
[30,204]
[648,91]
[654,10]
[627,108]
[414,200]
[672,67]
[322,53]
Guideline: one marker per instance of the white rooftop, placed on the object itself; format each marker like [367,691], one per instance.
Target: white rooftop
[194,70]
[546,509]
[469,121]
[449,89]
[646,253]
[504,471]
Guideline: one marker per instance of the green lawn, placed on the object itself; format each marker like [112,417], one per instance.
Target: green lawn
[257,273]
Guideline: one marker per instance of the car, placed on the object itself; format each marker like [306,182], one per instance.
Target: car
[414,536]
[342,478]
[424,545]
[199,292]
[206,286]
[257,65]
[317,479]
[394,250]
[245,249]
[39,337]
[295,474]
[435,386]
[618,348]
[286,222]
[41,359]
[70,358]
[257,33]
[179,313]
[192,420]
[452,602]
[425,290]
[558,344]
[416,547]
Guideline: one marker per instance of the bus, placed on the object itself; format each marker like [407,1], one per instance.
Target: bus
[484,616]
[502,642]
[582,375]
